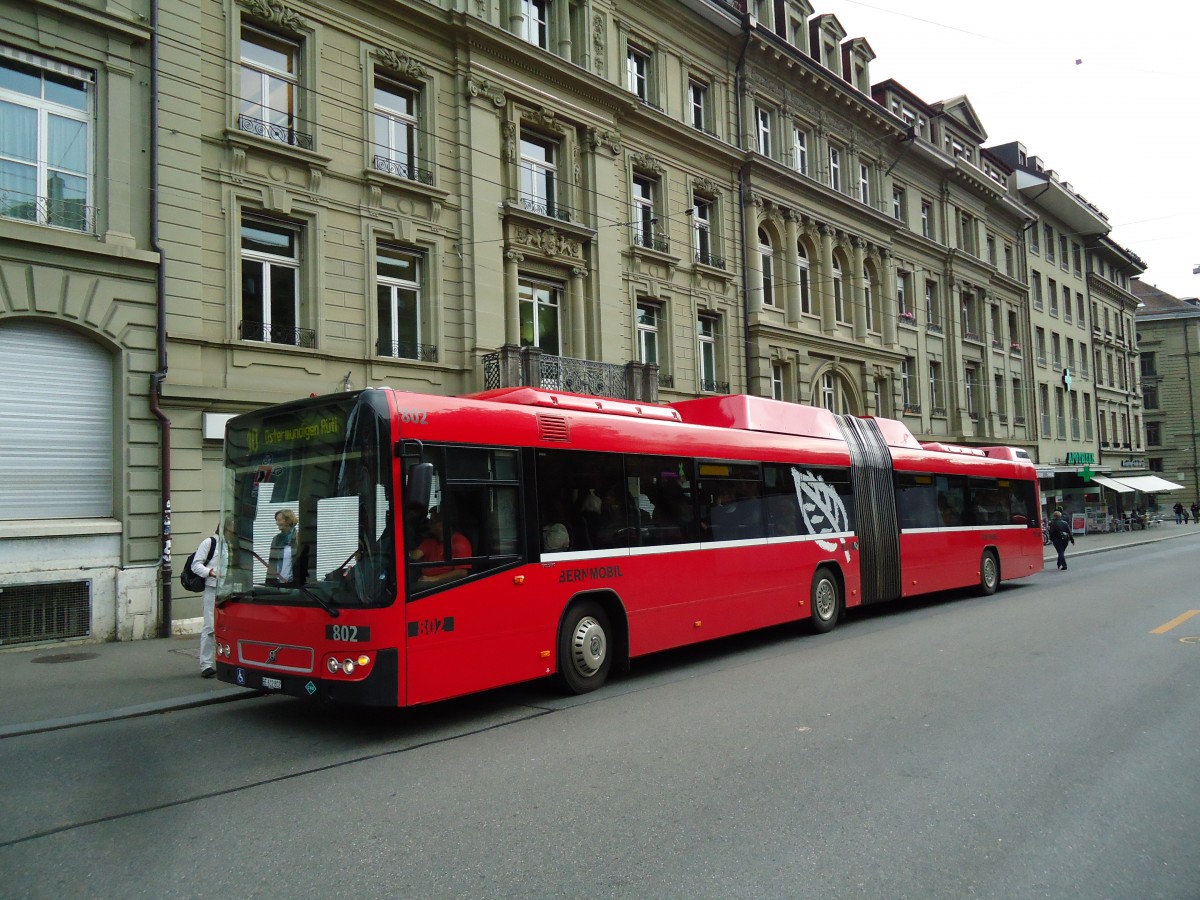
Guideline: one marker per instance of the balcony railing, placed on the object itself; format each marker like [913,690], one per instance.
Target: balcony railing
[547,208]
[714,387]
[1018,419]
[406,350]
[939,411]
[653,241]
[272,132]
[278,334]
[666,380]
[72,214]
[933,328]
[907,318]
[708,259]
[912,409]
[404,169]
[513,366]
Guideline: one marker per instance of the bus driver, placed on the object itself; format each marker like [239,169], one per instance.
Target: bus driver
[433,549]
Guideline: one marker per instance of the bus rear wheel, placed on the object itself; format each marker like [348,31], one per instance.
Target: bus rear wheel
[584,648]
[826,599]
[989,573]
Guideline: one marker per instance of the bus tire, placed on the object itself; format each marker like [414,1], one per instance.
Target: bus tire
[585,648]
[826,601]
[989,573]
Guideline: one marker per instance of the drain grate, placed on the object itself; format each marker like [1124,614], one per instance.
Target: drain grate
[64,657]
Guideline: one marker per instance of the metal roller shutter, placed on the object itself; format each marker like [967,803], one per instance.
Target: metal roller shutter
[56,424]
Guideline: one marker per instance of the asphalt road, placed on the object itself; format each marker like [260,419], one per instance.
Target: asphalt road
[1039,743]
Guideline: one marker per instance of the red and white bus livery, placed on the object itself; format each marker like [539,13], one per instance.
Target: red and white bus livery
[446,545]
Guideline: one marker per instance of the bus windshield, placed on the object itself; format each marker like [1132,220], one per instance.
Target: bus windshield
[308,492]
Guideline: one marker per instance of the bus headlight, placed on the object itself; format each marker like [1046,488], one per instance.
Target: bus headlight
[333,666]
[348,666]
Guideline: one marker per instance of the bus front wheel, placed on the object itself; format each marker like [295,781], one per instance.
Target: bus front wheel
[584,648]
[826,601]
[989,573]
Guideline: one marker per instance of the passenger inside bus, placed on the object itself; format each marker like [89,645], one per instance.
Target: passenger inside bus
[433,549]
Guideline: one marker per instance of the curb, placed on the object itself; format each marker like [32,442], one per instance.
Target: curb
[128,712]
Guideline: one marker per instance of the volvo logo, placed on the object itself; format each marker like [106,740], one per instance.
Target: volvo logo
[274,653]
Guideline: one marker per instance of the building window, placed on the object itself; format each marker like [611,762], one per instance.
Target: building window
[1044,399]
[1008,260]
[702,239]
[777,380]
[45,143]
[864,184]
[648,317]
[803,275]
[835,168]
[967,236]
[906,315]
[698,104]
[1153,434]
[1018,398]
[906,390]
[271,284]
[1063,261]
[539,175]
[927,219]
[1052,291]
[1039,341]
[936,393]
[828,392]
[1048,232]
[708,337]
[868,301]
[398,290]
[766,254]
[1001,400]
[933,316]
[762,122]
[645,216]
[899,205]
[839,300]
[396,134]
[540,303]
[970,387]
[991,250]
[1060,413]
[800,149]
[1077,260]
[270,88]
[534,24]
[637,73]
[1034,248]
[1035,288]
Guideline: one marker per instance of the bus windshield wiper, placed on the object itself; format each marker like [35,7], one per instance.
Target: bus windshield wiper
[316,598]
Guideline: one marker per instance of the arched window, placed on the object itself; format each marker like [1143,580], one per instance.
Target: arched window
[839,300]
[805,294]
[56,423]
[835,394]
[766,254]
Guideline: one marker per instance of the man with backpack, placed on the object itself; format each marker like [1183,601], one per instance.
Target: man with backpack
[211,559]
[1060,536]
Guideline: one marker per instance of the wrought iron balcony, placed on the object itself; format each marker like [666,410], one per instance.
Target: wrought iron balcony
[404,169]
[666,380]
[714,387]
[1018,420]
[278,334]
[547,208]
[406,350]
[708,259]
[513,366]
[72,214]
[939,411]
[272,132]
[934,328]
[912,409]
[651,240]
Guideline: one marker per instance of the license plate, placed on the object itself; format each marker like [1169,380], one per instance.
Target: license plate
[272,684]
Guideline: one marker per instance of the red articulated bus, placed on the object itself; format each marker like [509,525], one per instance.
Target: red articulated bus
[438,546]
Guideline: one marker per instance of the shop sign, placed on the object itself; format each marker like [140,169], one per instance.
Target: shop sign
[1133,463]
[1080,458]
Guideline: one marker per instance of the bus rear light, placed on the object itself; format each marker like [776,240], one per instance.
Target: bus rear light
[518,579]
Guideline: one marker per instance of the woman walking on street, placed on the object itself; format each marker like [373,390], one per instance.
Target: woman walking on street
[1060,536]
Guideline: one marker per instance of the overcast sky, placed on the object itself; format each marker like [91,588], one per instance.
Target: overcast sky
[1106,93]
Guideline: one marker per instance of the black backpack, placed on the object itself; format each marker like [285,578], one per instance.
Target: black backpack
[189,579]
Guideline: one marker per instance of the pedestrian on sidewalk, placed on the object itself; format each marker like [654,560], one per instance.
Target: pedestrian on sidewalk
[1178,507]
[1060,536]
[1196,513]
[217,565]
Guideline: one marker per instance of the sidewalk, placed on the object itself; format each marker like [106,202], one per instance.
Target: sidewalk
[46,687]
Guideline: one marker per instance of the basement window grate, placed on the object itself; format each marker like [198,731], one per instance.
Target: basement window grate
[30,613]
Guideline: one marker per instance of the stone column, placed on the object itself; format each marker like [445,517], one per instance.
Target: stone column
[888,306]
[512,294]
[578,321]
[791,267]
[857,281]
[754,272]
[824,280]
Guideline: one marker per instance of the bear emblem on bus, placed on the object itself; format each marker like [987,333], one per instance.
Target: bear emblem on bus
[821,508]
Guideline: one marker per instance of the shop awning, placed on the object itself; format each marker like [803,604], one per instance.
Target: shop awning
[1113,483]
[1150,484]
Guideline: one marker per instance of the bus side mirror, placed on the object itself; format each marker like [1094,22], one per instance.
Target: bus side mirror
[419,487]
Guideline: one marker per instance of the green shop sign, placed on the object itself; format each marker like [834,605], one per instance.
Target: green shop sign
[1080,459]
